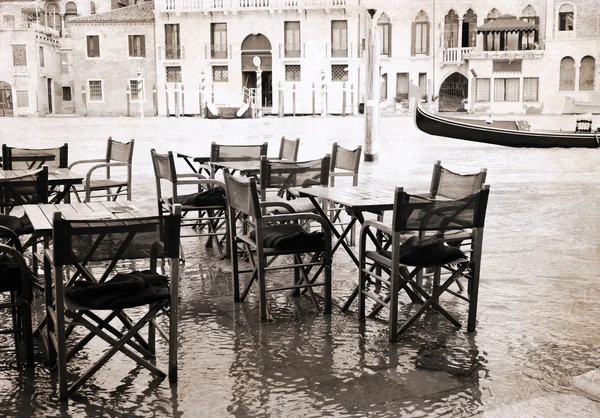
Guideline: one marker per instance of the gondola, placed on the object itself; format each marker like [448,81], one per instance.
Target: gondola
[506,133]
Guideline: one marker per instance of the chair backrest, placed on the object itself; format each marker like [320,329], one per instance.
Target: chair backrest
[28,158]
[451,185]
[344,162]
[119,151]
[24,190]
[164,166]
[281,175]
[417,213]
[583,125]
[242,195]
[288,149]
[80,241]
[221,153]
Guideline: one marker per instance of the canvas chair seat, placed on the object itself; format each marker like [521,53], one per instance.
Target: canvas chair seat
[430,252]
[214,197]
[291,237]
[301,204]
[106,183]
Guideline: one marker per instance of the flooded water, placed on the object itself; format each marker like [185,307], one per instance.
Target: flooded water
[538,310]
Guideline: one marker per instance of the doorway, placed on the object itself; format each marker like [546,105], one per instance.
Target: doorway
[258,46]
[6,101]
[50,109]
[452,92]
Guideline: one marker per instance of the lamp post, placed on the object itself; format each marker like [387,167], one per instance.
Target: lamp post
[140,86]
[372,93]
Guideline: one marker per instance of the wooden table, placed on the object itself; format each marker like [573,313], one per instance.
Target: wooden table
[245,168]
[60,181]
[201,161]
[356,200]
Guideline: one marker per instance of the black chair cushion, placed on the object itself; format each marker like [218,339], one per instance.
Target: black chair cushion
[214,196]
[124,290]
[429,252]
[10,274]
[289,236]
[19,226]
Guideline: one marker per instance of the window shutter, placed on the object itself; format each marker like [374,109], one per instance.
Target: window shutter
[427,36]
[390,40]
[536,35]
[143,45]
[130,39]
[413,38]
[89,46]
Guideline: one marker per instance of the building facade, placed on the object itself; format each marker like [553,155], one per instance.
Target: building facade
[484,56]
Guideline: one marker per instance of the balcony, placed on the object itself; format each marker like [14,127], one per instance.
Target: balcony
[249,5]
[343,50]
[171,52]
[454,56]
[509,55]
[291,50]
[33,26]
[217,52]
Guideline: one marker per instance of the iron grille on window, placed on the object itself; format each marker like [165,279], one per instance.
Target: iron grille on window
[22,98]
[483,90]
[96,90]
[530,89]
[174,74]
[339,73]
[134,88]
[220,73]
[292,73]
[66,94]
[506,90]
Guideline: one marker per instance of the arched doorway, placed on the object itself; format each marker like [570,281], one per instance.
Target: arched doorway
[258,46]
[452,92]
[6,102]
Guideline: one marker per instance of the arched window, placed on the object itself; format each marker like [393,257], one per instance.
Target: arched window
[493,14]
[451,30]
[71,8]
[530,38]
[420,34]
[384,26]
[52,16]
[92,8]
[469,37]
[567,74]
[586,73]
[566,18]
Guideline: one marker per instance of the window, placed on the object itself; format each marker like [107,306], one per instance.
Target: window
[66,94]
[52,16]
[423,85]
[420,35]
[339,73]
[384,28]
[135,89]
[220,73]
[483,90]
[506,90]
[41,57]
[565,18]
[383,87]
[401,87]
[93,46]
[530,89]
[218,40]
[8,21]
[64,63]
[451,30]
[339,38]
[22,98]
[92,8]
[292,39]
[530,39]
[19,55]
[71,8]
[567,74]
[95,91]
[173,74]
[292,73]
[137,45]
[172,48]
[586,73]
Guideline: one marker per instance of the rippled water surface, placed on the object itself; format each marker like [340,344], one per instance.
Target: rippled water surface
[538,306]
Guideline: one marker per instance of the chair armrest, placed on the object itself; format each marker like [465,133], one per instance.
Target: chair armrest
[378,225]
[13,238]
[203,180]
[191,175]
[280,204]
[98,160]
[88,177]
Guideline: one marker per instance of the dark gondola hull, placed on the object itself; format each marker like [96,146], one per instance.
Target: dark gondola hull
[506,136]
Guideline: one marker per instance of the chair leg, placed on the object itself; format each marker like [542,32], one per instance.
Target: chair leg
[26,326]
[473,298]
[262,292]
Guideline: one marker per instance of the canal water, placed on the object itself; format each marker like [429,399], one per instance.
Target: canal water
[538,310]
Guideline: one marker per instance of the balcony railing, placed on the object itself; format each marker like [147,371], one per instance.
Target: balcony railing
[509,55]
[291,50]
[171,52]
[453,55]
[241,5]
[34,26]
[342,50]
[217,51]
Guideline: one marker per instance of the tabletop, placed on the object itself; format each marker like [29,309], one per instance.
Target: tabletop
[41,216]
[352,197]
[56,176]
[251,167]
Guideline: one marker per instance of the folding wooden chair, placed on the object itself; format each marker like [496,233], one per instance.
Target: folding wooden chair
[203,208]
[288,149]
[344,163]
[270,237]
[15,279]
[119,158]
[79,293]
[396,269]
[14,158]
